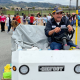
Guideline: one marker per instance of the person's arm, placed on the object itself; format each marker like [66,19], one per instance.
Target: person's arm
[48,28]
[56,30]
[22,18]
[70,28]
[18,18]
[13,28]
[4,18]
[33,19]
[11,18]
[7,20]
[51,32]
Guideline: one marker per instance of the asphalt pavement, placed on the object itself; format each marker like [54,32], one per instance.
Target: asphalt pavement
[5,48]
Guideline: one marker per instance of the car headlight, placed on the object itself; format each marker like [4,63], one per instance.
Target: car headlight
[24,69]
[14,68]
[77,69]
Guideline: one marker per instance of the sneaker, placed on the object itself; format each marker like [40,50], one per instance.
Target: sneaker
[77,47]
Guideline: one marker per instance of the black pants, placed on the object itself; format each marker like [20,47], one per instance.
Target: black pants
[44,24]
[31,23]
[2,26]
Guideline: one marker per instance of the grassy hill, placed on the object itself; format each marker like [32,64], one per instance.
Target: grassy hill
[7,3]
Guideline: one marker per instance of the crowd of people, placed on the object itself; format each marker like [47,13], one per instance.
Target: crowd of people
[33,20]
[72,18]
[39,19]
[36,20]
[30,19]
[8,21]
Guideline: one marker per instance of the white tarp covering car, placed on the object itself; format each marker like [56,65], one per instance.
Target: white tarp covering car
[28,36]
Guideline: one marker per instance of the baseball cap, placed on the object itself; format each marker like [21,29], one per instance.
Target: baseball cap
[57,9]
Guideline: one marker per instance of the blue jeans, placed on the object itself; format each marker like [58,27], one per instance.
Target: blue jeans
[28,21]
[79,23]
[73,22]
[59,46]
[14,29]
[9,27]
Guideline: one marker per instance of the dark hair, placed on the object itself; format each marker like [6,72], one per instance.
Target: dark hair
[44,15]
[17,13]
[14,15]
[24,16]
[9,14]
[32,14]
[66,12]
[38,14]
[50,13]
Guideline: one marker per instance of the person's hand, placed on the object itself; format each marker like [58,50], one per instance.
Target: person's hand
[57,29]
[70,28]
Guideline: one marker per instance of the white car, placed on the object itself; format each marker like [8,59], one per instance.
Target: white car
[41,64]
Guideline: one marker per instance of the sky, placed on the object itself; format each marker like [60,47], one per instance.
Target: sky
[64,2]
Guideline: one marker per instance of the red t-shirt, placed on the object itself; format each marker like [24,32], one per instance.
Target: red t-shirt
[18,19]
[31,19]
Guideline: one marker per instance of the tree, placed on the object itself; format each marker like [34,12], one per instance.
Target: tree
[12,8]
[67,6]
[3,8]
[49,7]
[63,7]
[54,7]
[33,7]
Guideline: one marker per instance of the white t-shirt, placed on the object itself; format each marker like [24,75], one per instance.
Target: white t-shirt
[58,23]
[48,17]
[38,20]
[29,18]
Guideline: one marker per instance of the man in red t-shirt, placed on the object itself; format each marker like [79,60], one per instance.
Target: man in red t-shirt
[18,19]
[31,19]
